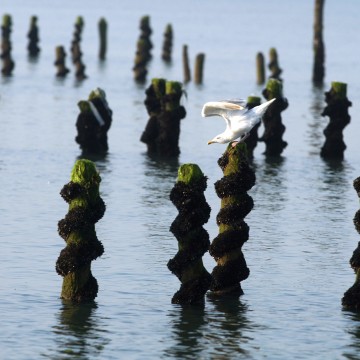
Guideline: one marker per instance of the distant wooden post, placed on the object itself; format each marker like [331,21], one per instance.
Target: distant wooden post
[103,38]
[199,68]
[318,44]
[260,69]
[186,67]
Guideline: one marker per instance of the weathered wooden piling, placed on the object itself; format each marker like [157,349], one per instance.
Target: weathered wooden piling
[76,52]
[274,65]
[337,110]
[86,207]
[273,126]
[103,26]
[318,44]
[252,140]
[93,123]
[60,56]
[33,36]
[260,68]
[8,64]
[351,298]
[143,50]
[199,68]
[186,66]
[193,240]
[167,44]
[236,204]
[161,134]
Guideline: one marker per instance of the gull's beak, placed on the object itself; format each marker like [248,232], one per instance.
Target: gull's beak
[210,142]
[261,109]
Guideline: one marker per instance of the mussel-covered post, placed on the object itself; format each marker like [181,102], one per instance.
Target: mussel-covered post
[93,123]
[143,50]
[33,36]
[337,110]
[5,55]
[274,128]
[193,240]
[103,38]
[60,56]
[161,134]
[351,299]
[86,207]
[236,204]
[253,138]
[167,44]
[274,65]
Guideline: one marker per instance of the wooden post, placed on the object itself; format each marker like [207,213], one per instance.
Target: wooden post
[199,68]
[318,44]
[260,69]
[186,66]
[103,38]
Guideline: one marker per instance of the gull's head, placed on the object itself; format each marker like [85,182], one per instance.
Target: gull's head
[219,139]
[261,109]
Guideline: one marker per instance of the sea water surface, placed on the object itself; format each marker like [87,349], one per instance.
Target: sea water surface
[301,230]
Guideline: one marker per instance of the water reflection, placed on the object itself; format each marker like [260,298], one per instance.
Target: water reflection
[79,333]
[217,331]
[317,122]
[354,331]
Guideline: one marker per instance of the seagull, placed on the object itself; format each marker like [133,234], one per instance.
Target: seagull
[239,120]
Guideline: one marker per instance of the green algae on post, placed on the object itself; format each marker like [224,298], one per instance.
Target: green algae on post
[337,110]
[86,207]
[193,240]
[236,204]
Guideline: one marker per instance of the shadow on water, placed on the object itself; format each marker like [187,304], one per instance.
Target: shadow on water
[214,332]
[78,333]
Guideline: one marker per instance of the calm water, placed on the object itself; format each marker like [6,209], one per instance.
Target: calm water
[301,231]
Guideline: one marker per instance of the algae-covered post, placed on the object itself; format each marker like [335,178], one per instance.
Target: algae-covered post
[143,50]
[337,110]
[102,25]
[33,36]
[252,140]
[199,68]
[161,134]
[193,240]
[76,50]
[351,298]
[93,123]
[8,63]
[236,204]
[86,207]
[260,68]
[274,128]
[274,65]
[186,66]
[318,44]
[60,56]
[167,44]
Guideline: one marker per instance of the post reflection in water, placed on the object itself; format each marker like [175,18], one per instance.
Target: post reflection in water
[217,331]
[353,349]
[78,333]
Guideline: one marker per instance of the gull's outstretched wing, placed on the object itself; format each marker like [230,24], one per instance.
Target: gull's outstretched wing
[241,102]
[220,108]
